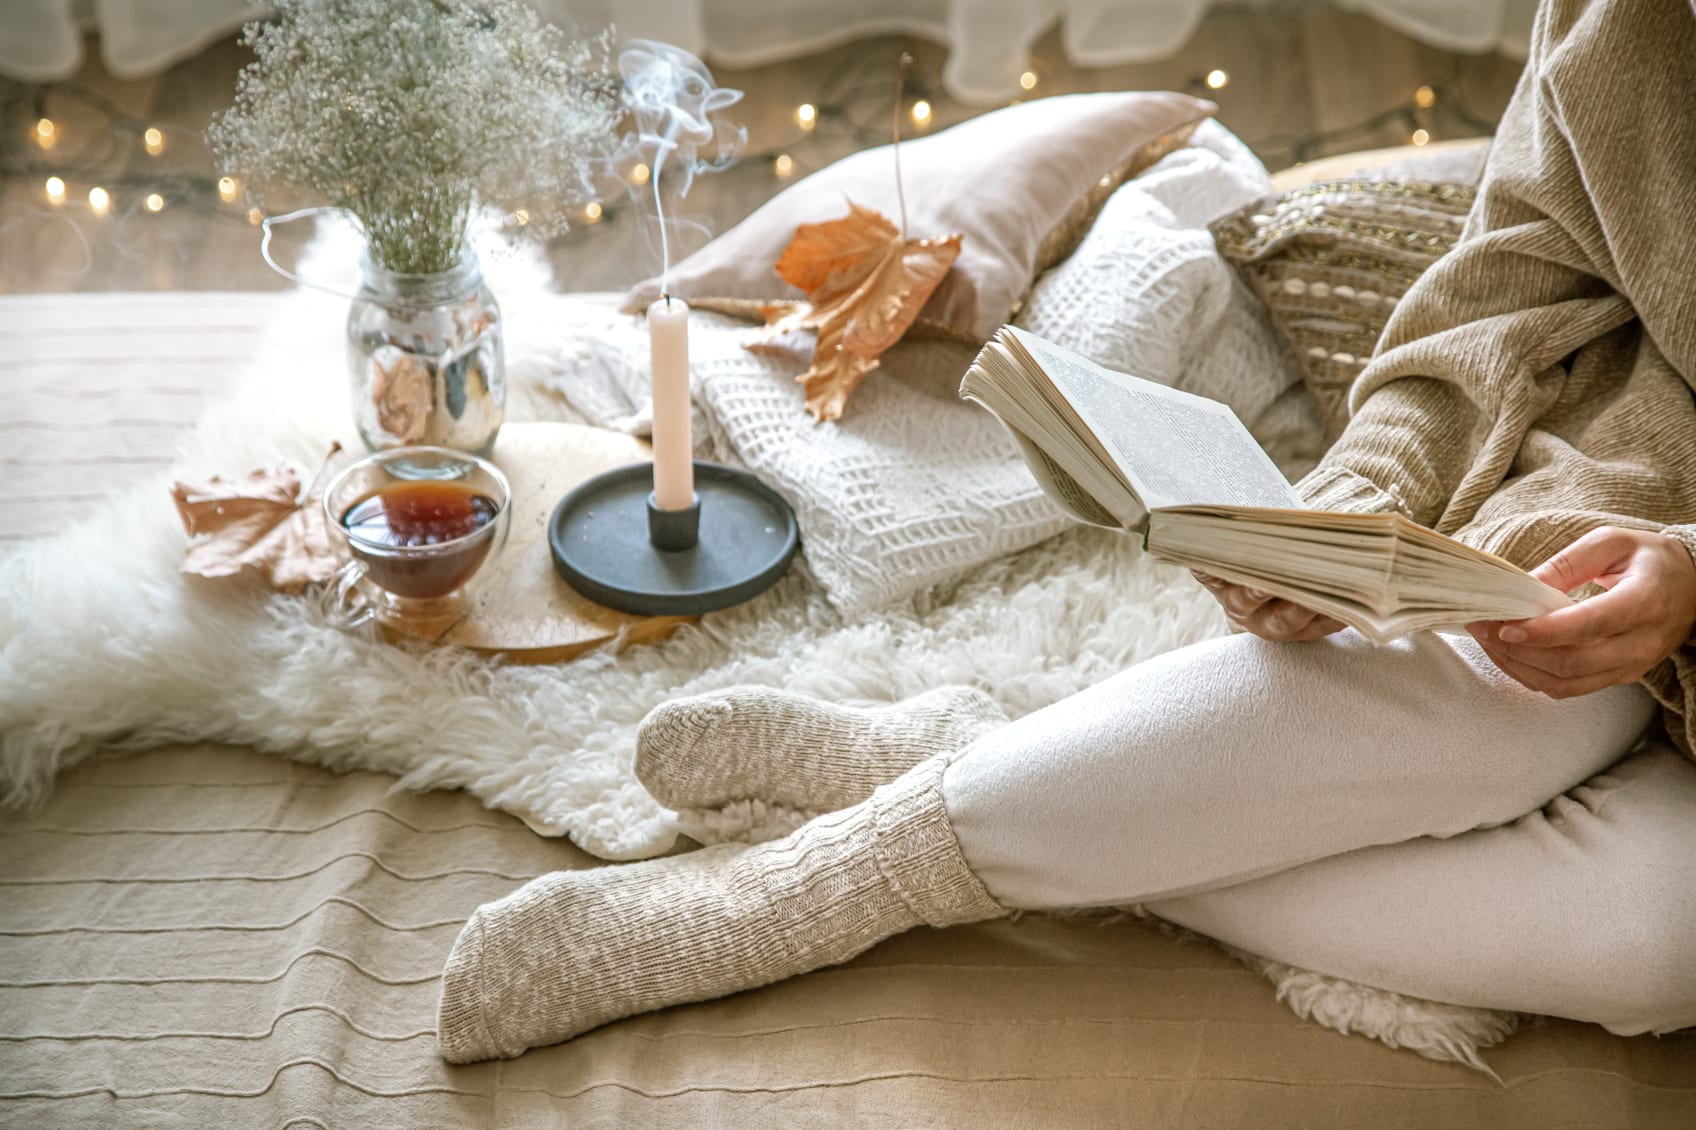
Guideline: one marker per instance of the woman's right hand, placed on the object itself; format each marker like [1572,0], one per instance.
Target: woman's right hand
[1265,615]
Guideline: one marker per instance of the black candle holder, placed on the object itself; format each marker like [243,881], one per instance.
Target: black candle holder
[611,542]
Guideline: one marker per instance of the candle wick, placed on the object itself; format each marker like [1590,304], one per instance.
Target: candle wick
[667,298]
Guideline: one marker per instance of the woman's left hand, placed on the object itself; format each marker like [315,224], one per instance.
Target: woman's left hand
[1614,637]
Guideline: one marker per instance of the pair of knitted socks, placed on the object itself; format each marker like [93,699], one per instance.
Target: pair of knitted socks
[573,950]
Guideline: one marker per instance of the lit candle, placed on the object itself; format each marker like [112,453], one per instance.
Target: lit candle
[668,341]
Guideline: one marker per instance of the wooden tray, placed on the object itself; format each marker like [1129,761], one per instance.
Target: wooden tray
[519,606]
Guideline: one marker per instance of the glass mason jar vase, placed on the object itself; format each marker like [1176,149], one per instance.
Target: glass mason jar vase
[425,356]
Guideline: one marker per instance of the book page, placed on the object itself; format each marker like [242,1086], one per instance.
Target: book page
[1381,574]
[1173,448]
[1060,486]
[1066,459]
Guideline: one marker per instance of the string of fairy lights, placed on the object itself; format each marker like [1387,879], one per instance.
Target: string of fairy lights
[849,111]
[74,165]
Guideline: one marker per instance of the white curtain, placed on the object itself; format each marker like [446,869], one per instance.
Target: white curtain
[989,41]
[41,40]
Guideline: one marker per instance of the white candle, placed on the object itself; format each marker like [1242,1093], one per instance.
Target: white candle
[674,467]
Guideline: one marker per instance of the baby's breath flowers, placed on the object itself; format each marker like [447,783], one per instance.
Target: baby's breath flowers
[410,114]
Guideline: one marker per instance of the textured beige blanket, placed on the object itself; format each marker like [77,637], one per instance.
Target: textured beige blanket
[210,937]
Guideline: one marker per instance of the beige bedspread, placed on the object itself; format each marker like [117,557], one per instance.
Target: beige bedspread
[207,936]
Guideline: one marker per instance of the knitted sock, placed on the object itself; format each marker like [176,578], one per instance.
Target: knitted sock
[576,949]
[726,746]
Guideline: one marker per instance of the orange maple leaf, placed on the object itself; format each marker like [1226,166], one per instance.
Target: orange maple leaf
[258,523]
[865,284]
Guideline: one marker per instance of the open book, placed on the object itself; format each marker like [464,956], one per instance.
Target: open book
[1181,470]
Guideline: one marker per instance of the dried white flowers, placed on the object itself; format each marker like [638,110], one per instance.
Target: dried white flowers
[411,113]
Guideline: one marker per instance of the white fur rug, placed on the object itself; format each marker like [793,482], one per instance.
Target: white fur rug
[103,642]
[107,643]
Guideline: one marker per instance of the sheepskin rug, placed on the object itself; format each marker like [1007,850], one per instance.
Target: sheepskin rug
[105,644]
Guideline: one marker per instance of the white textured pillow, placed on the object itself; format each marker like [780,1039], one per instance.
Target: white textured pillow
[912,488]
[1147,293]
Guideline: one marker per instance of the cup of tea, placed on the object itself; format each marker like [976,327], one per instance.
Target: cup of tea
[419,523]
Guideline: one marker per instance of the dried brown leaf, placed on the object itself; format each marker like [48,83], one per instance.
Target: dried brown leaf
[400,391]
[865,285]
[258,523]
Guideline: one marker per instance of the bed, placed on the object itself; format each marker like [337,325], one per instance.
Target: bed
[203,935]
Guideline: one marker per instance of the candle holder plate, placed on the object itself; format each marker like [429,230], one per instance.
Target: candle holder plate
[600,543]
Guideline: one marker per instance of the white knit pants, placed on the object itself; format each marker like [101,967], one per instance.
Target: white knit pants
[1406,817]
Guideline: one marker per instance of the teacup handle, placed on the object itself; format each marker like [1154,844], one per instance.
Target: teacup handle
[504,532]
[343,601]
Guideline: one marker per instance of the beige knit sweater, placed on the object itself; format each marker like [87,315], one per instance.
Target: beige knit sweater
[1540,380]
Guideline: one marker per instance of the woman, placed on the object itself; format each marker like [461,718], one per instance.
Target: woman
[1501,821]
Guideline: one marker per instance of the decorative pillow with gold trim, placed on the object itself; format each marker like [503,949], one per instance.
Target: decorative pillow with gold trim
[1332,259]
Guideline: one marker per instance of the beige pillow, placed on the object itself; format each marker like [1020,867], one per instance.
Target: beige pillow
[1021,184]
[1332,259]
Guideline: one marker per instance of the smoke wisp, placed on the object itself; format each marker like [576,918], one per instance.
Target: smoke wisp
[674,105]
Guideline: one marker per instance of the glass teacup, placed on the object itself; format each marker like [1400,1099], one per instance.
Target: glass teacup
[419,523]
